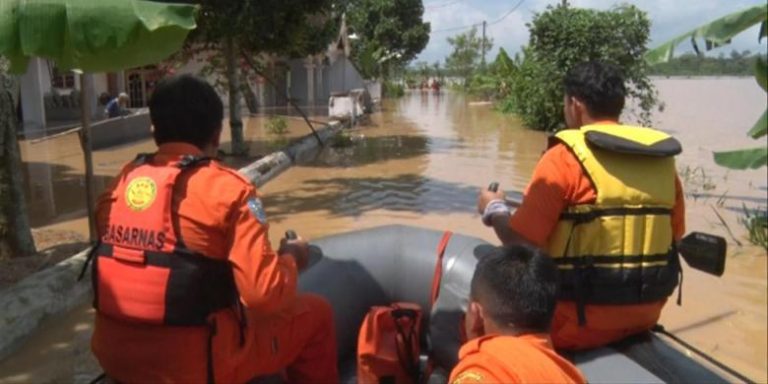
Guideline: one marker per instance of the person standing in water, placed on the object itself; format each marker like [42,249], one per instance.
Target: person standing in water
[187,288]
[606,203]
[512,299]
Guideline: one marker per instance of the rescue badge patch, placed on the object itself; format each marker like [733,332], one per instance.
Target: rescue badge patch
[468,377]
[257,210]
[140,193]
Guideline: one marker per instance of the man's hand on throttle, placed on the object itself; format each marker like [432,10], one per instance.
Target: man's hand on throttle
[486,197]
[298,248]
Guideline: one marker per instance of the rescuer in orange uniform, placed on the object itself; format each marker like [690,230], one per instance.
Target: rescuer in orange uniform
[606,203]
[186,285]
[512,298]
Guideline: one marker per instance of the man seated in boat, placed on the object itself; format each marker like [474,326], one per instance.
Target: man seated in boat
[187,287]
[606,203]
[512,299]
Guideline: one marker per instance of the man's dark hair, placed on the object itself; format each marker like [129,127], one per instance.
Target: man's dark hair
[517,285]
[185,109]
[600,86]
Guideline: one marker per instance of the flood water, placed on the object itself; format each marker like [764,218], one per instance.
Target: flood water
[421,162]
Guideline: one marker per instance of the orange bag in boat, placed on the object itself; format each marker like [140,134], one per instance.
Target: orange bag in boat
[388,345]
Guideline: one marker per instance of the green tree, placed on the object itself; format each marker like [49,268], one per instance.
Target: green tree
[392,32]
[496,82]
[563,36]
[717,33]
[424,70]
[438,74]
[231,28]
[467,52]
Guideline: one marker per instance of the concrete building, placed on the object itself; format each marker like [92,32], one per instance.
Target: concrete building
[50,97]
[50,101]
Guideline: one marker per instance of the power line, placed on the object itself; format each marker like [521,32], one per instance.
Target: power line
[438,6]
[508,13]
[481,23]
[456,28]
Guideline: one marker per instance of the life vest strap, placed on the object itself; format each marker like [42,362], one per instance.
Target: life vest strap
[187,303]
[191,161]
[616,284]
[143,158]
[210,375]
[88,259]
[597,261]
[587,216]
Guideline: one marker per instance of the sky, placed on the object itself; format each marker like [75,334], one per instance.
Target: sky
[669,18]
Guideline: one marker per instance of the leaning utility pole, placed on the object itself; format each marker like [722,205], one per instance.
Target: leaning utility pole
[482,48]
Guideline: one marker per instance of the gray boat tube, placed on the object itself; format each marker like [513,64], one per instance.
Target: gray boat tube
[382,265]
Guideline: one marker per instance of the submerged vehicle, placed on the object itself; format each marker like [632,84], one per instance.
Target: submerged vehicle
[382,265]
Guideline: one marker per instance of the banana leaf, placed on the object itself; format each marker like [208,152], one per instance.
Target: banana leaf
[761,73]
[92,35]
[760,128]
[743,158]
[715,33]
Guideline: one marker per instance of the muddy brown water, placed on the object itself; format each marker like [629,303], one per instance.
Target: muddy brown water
[421,162]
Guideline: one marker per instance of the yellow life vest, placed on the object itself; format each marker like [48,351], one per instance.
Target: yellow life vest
[619,250]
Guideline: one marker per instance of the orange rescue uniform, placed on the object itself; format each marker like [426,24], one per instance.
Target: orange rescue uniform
[527,358]
[286,332]
[559,181]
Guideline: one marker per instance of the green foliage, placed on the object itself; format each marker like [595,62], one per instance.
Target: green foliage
[536,94]
[393,90]
[288,27]
[390,33]
[277,125]
[342,140]
[467,52]
[756,224]
[495,83]
[562,37]
[696,180]
[691,64]
[92,35]
[743,159]
[504,66]
[760,128]
[761,73]
[366,61]
[232,28]
[715,34]
[421,71]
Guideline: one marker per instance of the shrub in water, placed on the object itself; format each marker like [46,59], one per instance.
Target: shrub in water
[277,125]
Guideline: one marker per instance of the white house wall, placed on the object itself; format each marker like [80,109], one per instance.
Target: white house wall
[341,76]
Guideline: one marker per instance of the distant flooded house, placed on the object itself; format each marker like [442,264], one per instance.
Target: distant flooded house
[307,81]
[50,97]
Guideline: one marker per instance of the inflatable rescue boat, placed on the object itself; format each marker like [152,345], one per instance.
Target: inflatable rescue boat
[382,265]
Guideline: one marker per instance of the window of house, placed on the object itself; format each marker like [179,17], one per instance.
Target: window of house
[62,79]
